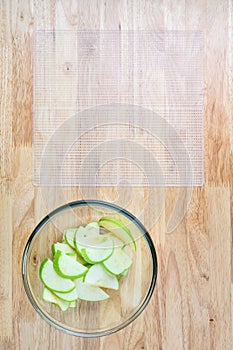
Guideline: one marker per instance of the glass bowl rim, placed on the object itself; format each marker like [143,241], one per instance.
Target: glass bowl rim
[105,204]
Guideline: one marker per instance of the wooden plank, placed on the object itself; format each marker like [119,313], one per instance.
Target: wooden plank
[181,297]
[217,94]
[6,305]
[218,209]
[23,223]
[6,88]
[230,68]
[198,285]
[231,211]
[6,291]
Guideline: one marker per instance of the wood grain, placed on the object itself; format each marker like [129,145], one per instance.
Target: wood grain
[192,304]
[220,298]
[217,95]
[6,310]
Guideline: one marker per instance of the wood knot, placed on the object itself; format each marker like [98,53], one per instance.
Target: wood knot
[34,260]
[205,276]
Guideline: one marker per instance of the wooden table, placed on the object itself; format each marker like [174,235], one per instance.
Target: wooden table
[191,307]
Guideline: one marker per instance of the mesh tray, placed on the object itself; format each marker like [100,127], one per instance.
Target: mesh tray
[118,107]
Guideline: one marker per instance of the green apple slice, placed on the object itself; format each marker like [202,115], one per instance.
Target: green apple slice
[71,296]
[117,262]
[118,229]
[90,230]
[83,237]
[52,280]
[77,257]
[98,252]
[69,235]
[98,276]
[89,292]
[93,228]
[67,267]
[63,247]
[89,242]
[52,298]
[86,238]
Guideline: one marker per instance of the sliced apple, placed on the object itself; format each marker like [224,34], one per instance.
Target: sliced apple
[63,247]
[77,257]
[89,292]
[98,252]
[118,262]
[52,298]
[69,236]
[118,229]
[84,238]
[71,296]
[67,267]
[98,276]
[93,228]
[52,280]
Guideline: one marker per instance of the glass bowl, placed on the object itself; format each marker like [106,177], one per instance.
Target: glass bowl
[91,319]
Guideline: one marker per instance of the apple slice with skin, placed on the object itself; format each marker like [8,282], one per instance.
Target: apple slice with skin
[93,228]
[98,276]
[71,296]
[63,247]
[118,229]
[98,252]
[52,298]
[52,280]
[89,292]
[118,262]
[69,236]
[77,257]
[84,238]
[67,267]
